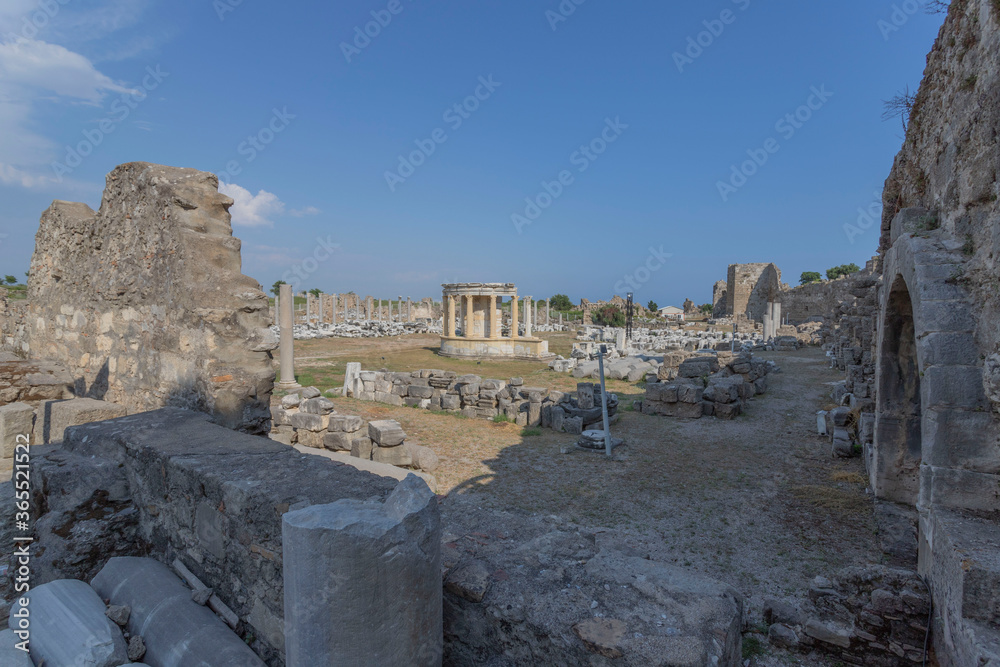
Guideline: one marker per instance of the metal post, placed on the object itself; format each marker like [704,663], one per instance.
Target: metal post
[628,319]
[604,402]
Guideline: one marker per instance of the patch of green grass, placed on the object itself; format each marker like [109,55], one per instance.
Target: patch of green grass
[449,413]
[501,419]
[753,647]
[529,432]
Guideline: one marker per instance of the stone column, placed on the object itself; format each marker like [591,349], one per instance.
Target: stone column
[399,308]
[768,321]
[321,295]
[494,320]
[469,310]
[287,345]
[409,309]
[514,324]
[548,315]
[560,319]
[777,317]
[527,317]
[363,581]
[534,317]
[449,316]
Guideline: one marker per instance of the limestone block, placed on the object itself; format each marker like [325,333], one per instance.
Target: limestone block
[345,423]
[291,401]
[468,389]
[54,417]
[420,392]
[725,410]
[308,422]
[16,424]
[695,367]
[558,419]
[534,413]
[471,412]
[450,402]
[382,610]
[687,393]
[309,392]
[176,630]
[585,395]
[573,425]
[284,437]
[279,417]
[361,448]
[688,410]
[69,627]
[386,433]
[311,439]
[338,441]
[390,398]
[317,406]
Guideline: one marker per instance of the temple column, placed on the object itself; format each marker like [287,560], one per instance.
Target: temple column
[513,317]
[287,342]
[494,320]
[469,310]
[527,317]
[449,316]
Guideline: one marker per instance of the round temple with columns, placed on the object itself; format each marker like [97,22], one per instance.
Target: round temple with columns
[473,323]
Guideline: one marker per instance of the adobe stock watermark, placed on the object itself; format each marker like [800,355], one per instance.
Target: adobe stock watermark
[223,7]
[257,143]
[20,619]
[868,216]
[900,16]
[454,116]
[363,35]
[37,20]
[643,273]
[118,113]
[564,10]
[582,158]
[697,44]
[301,270]
[786,126]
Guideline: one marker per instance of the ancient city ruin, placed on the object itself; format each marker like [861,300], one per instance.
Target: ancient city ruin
[199,474]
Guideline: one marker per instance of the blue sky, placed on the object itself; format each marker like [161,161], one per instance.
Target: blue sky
[586,152]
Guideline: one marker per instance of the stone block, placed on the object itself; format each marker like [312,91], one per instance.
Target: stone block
[450,402]
[953,386]
[727,410]
[361,448]
[291,401]
[687,410]
[285,437]
[468,389]
[471,412]
[69,626]
[386,433]
[515,382]
[696,367]
[175,629]
[338,441]
[311,439]
[16,424]
[585,395]
[54,417]
[379,615]
[309,392]
[558,419]
[345,423]
[394,456]
[573,425]
[691,394]
[279,417]
[420,392]
[390,398]
[317,406]
[305,421]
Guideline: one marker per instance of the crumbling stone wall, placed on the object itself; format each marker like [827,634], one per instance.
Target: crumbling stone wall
[13,325]
[720,293]
[168,484]
[749,288]
[145,301]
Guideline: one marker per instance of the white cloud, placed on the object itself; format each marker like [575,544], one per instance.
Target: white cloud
[303,212]
[30,63]
[252,210]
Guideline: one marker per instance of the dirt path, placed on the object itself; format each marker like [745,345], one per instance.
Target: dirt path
[757,502]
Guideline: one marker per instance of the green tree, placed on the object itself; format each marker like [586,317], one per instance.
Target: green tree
[609,316]
[652,306]
[842,270]
[11,280]
[315,291]
[276,287]
[706,308]
[810,277]
[560,302]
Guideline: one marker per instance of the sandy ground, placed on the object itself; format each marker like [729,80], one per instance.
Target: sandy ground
[757,502]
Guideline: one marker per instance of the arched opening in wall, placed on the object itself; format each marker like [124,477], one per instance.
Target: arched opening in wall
[897,432]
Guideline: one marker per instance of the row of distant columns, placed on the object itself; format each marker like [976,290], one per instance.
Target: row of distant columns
[462,307]
[324,308]
[772,319]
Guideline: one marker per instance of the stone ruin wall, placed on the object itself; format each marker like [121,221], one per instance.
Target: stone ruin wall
[749,288]
[144,300]
[720,293]
[13,325]
[950,158]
